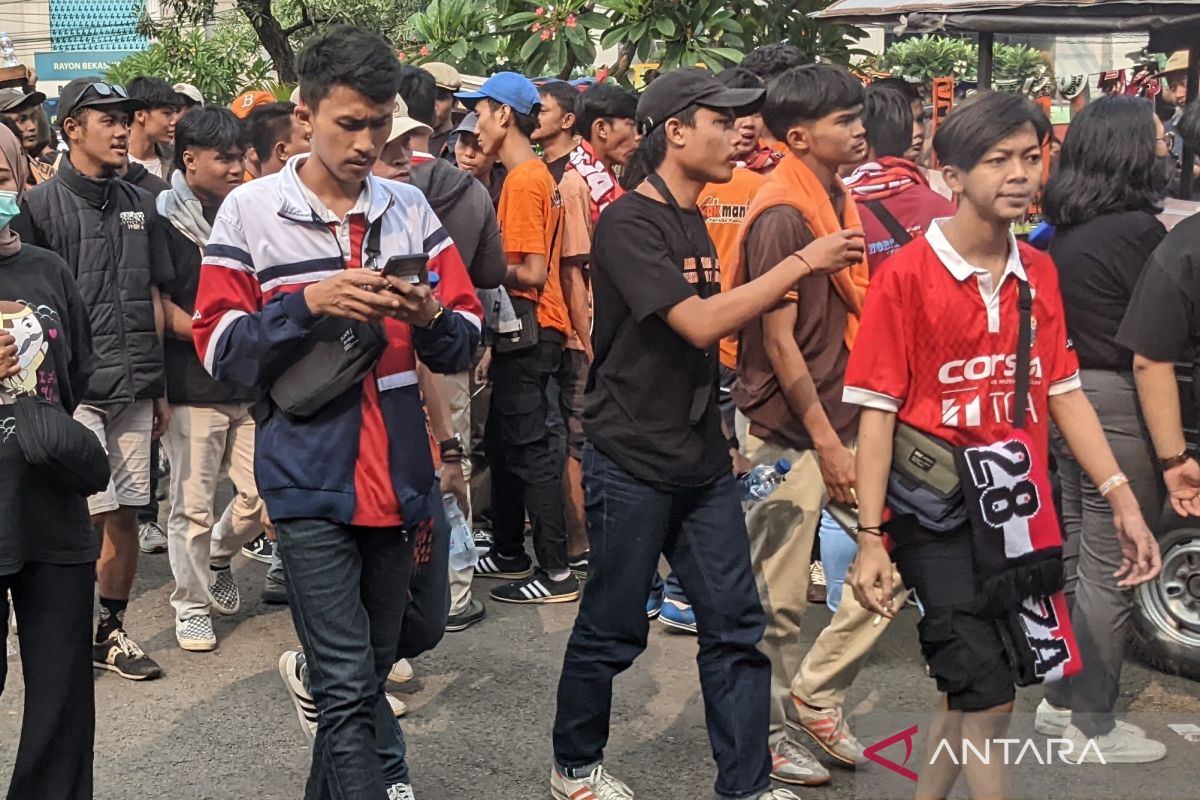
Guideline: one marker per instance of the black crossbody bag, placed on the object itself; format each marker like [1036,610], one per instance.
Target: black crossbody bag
[336,356]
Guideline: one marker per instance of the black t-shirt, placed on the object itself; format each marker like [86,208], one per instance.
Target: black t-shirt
[40,306]
[1164,312]
[188,382]
[1099,263]
[652,400]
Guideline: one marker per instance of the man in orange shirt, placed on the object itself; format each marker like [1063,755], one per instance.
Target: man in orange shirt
[526,470]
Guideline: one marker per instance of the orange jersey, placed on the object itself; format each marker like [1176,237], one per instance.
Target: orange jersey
[530,217]
[723,206]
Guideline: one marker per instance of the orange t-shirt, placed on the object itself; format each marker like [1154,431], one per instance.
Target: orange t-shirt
[724,206]
[530,217]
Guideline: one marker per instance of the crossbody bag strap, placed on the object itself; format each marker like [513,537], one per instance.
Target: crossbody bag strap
[1024,346]
[371,249]
[888,220]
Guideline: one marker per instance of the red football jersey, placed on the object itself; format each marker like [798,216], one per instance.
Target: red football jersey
[937,344]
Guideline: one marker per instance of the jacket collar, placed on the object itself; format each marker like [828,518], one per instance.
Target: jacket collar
[96,191]
[294,203]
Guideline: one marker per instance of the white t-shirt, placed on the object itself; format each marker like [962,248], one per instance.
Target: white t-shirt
[154,166]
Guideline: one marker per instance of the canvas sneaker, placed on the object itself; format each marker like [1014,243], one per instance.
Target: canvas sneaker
[793,763]
[818,588]
[400,791]
[779,794]
[399,707]
[654,602]
[494,565]
[151,538]
[224,590]
[196,635]
[1052,721]
[597,785]
[260,550]
[538,590]
[473,613]
[402,672]
[120,654]
[678,615]
[483,540]
[827,727]
[580,565]
[291,670]
[1118,746]
[274,592]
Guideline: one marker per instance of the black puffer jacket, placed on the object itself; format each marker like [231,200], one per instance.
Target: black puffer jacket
[110,235]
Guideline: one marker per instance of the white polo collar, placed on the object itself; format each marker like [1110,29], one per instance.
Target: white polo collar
[958,266]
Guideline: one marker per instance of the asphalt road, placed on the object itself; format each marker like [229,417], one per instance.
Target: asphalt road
[220,726]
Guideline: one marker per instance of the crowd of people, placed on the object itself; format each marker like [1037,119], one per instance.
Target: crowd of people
[568,312]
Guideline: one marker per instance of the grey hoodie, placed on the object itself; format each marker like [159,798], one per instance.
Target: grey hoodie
[465,209]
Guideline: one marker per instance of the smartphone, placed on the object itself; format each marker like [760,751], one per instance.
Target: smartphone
[412,268]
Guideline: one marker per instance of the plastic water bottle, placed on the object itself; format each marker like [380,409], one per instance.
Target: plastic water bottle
[463,554]
[8,53]
[759,482]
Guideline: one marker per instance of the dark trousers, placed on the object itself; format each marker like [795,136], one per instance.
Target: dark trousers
[526,467]
[149,512]
[702,532]
[54,626]
[1099,608]
[347,589]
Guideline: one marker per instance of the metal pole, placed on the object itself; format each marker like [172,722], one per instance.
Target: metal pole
[987,43]
[1188,165]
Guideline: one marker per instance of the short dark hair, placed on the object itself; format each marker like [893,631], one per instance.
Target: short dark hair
[602,101]
[653,148]
[268,125]
[978,124]
[769,61]
[154,92]
[910,90]
[207,128]
[740,78]
[1107,163]
[888,118]
[1189,125]
[419,91]
[525,123]
[807,93]
[563,93]
[347,56]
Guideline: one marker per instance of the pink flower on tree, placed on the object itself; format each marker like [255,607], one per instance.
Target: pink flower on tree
[541,12]
[424,51]
[571,21]
[537,26]
[402,55]
[545,36]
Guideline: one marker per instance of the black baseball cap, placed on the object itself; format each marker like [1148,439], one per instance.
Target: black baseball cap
[95,92]
[678,89]
[16,99]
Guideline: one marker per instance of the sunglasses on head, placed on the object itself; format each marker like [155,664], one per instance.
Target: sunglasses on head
[108,89]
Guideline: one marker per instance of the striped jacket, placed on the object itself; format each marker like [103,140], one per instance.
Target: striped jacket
[365,459]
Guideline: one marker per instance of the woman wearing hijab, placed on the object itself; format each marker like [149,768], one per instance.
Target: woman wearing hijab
[47,548]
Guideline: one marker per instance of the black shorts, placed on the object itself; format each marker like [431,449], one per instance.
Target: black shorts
[962,649]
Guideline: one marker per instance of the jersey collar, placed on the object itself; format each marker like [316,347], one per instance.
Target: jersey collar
[959,267]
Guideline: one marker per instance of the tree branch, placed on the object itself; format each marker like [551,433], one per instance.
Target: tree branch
[624,60]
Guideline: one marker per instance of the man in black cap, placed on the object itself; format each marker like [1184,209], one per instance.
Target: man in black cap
[658,473]
[118,268]
[24,108]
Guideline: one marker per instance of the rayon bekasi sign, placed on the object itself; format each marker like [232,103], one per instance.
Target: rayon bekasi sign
[68,65]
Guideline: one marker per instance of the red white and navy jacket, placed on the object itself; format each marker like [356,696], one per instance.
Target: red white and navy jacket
[365,459]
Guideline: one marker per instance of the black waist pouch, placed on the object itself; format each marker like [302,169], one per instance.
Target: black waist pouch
[527,334]
[924,481]
[337,355]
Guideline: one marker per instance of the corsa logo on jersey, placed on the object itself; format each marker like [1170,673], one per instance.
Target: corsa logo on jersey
[982,368]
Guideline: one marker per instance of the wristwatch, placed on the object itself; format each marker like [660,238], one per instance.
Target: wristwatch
[452,445]
[1174,461]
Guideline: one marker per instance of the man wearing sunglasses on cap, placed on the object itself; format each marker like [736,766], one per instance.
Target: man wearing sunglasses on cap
[118,267]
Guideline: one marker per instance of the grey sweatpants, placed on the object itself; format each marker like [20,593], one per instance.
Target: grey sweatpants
[1100,610]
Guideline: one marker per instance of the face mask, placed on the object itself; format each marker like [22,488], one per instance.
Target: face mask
[1164,171]
[9,208]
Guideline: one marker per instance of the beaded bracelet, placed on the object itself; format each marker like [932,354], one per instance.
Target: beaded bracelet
[1112,483]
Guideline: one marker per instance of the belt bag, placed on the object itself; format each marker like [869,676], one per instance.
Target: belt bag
[526,333]
[337,355]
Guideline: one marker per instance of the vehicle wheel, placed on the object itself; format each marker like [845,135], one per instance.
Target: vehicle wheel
[1166,617]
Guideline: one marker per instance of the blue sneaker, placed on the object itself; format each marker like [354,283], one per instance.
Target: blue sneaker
[678,616]
[654,602]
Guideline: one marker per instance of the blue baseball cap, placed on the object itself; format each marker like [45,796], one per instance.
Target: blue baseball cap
[506,88]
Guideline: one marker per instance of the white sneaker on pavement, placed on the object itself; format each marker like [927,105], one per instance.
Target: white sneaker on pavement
[597,785]
[400,791]
[402,672]
[196,634]
[779,794]
[1118,746]
[398,706]
[290,664]
[151,538]
[1053,721]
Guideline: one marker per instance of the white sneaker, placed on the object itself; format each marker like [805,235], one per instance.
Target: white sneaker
[402,672]
[1118,746]
[400,791]
[290,665]
[779,794]
[398,706]
[226,598]
[196,634]
[1053,721]
[598,785]
[151,538]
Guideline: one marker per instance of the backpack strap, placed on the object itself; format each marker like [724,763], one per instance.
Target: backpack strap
[899,233]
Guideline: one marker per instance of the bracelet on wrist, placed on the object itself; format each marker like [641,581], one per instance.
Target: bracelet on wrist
[874,530]
[804,261]
[1175,461]
[437,317]
[1112,483]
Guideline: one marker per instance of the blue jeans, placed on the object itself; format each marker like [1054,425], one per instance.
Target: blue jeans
[702,532]
[347,591]
[838,549]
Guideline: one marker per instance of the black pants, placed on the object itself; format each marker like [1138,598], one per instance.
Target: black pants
[702,532]
[149,512]
[526,466]
[54,626]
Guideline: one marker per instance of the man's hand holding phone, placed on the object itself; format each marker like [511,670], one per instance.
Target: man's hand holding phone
[418,307]
[352,294]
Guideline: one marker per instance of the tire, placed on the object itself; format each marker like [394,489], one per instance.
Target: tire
[1165,629]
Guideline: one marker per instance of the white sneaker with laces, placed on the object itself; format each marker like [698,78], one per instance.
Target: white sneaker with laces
[400,791]
[398,706]
[151,538]
[598,785]
[779,794]
[196,635]
[1118,746]
[1053,721]
[306,710]
[402,672]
